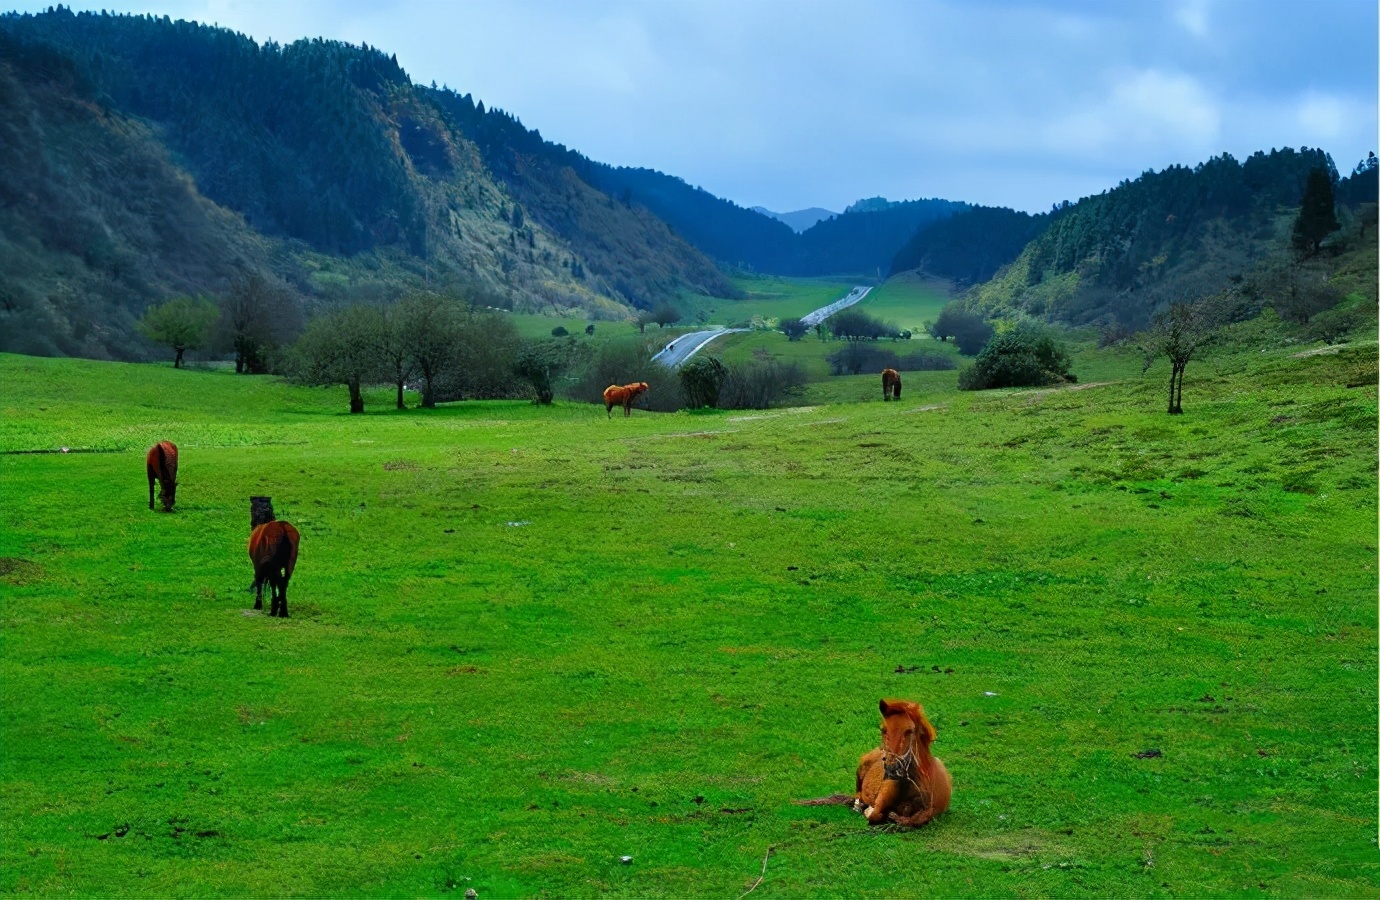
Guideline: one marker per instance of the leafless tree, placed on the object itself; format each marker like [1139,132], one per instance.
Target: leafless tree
[1178,332]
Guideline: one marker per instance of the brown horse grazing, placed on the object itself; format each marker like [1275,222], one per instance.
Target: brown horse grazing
[891,384]
[273,551]
[161,462]
[900,781]
[614,395]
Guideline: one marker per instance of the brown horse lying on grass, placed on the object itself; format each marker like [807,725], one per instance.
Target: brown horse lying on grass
[614,395]
[161,463]
[273,551]
[891,384]
[900,781]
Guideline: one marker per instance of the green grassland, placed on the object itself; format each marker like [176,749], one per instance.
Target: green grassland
[768,296]
[526,641]
[907,301]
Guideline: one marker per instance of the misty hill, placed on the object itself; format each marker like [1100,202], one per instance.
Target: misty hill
[146,157]
[1166,235]
[800,219]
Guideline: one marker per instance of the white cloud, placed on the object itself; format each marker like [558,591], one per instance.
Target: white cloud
[1193,18]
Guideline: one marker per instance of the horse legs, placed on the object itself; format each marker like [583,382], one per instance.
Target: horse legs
[914,821]
[279,583]
[881,804]
[897,388]
[152,478]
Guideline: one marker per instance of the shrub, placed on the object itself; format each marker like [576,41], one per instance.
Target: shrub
[1332,325]
[967,329]
[700,381]
[856,325]
[1027,356]
[794,329]
[541,363]
[760,384]
[856,358]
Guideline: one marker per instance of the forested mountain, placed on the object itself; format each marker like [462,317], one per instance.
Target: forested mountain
[854,243]
[971,245]
[146,156]
[1178,232]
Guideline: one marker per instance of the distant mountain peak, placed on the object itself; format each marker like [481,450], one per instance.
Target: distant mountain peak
[799,220]
[871,204]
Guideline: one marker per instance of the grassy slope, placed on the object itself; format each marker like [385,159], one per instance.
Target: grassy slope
[693,629]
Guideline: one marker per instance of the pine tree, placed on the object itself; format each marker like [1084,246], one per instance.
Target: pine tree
[1317,214]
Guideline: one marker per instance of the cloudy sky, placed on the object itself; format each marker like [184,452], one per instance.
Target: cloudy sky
[796,104]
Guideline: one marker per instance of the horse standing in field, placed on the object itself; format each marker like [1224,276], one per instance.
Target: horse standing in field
[161,463]
[273,551]
[900,781]
[891,385]
[625,395]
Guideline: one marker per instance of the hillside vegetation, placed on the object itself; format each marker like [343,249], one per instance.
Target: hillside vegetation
[1147,642]
[156,156]
[1182,232]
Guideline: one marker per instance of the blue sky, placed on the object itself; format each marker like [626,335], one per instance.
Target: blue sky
[796,104]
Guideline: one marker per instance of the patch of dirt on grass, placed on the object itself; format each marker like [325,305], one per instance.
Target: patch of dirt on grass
[400,465]
[1005,846]
[930,408]
[1319,351]
[19,571]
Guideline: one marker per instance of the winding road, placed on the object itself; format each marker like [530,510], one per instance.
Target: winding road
[687,345]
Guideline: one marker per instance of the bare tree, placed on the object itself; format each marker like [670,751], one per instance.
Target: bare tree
[256,314]
[1178,332]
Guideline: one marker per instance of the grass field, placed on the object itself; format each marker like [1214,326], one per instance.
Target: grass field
[906,301]
[769,296]
[528,641]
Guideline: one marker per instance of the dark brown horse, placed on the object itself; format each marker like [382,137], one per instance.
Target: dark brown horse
[891,384]
[161,462]
[273,551]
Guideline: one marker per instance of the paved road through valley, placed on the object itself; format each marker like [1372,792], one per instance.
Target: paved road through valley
[687,345]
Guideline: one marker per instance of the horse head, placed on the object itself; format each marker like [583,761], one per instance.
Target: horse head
[905,730]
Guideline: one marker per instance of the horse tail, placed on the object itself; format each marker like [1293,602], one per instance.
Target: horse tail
[831,800]
[287,549]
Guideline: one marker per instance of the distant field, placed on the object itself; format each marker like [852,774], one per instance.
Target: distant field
[770,297]
[907,302]
[527,641]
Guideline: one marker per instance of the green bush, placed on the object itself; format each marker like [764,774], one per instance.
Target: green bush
[700,381]
[1029,355]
